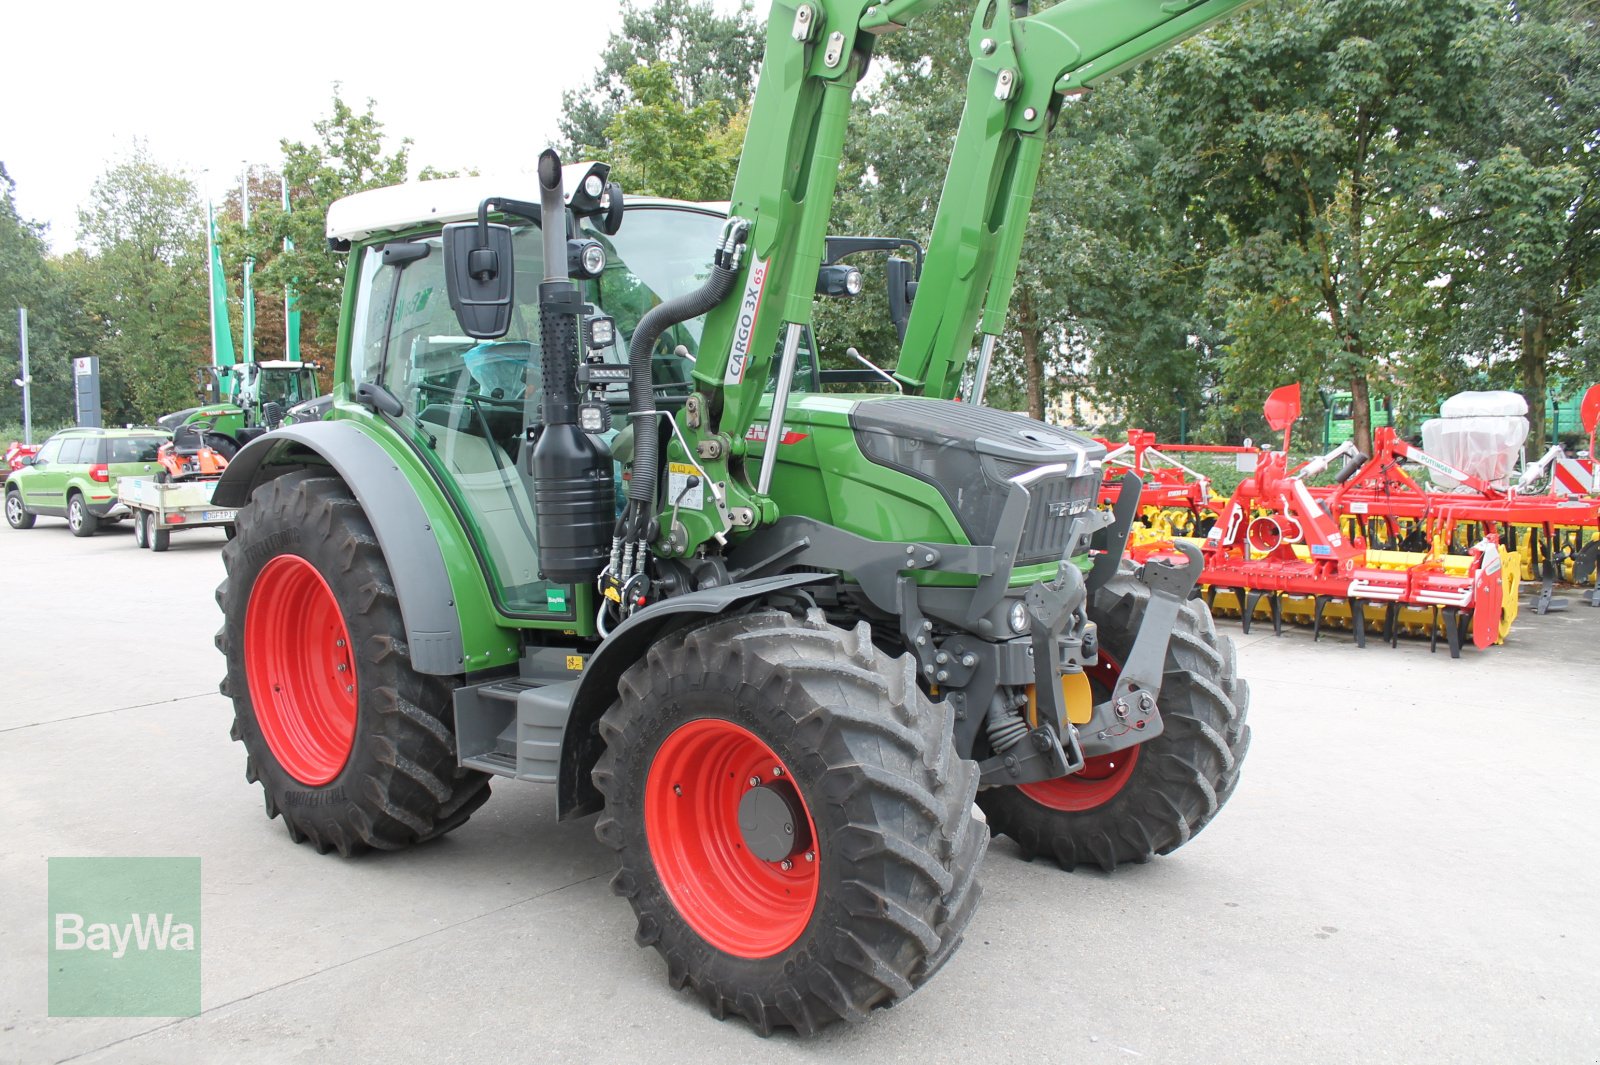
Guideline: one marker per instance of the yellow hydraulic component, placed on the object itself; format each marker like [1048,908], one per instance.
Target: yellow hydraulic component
[1076,692]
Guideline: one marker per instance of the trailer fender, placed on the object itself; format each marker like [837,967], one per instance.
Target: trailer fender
[581,745]
[422,584]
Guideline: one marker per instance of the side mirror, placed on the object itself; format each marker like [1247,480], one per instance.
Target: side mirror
[29,460]
[479,277]
[902,291]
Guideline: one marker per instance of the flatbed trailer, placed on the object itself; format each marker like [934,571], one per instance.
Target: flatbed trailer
[162,507]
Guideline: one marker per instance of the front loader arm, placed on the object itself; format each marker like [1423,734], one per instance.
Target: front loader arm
[1022,66]
[788,172]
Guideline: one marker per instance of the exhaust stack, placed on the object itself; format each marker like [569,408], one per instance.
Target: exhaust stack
[572,473]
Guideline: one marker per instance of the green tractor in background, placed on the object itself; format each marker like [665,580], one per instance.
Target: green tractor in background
[242,401]
[817,647]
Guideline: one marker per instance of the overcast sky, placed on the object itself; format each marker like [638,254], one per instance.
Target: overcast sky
[210,85]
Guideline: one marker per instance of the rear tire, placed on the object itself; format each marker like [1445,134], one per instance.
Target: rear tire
[17,515]
[79,520]
[353,758]
[160,537]
[871,765]
[1153,798]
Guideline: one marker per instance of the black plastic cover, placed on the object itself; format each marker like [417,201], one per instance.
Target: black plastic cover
[971,455]
[480,278]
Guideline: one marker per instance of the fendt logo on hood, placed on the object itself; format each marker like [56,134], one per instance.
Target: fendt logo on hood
[745,327]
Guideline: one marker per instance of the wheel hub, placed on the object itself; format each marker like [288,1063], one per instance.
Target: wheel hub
[772,821]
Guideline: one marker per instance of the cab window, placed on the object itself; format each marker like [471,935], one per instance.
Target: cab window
[132,449]
[51,452]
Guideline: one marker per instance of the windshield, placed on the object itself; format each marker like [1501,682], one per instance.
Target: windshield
[287,387]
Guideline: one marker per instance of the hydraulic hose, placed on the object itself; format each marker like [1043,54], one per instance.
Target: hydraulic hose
[641,381]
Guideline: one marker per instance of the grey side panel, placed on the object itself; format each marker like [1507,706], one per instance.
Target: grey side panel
[405,534]
[597,689]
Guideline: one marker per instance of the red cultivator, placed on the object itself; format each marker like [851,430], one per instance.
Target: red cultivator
[1556,534]
[1277,548]
[1175,500]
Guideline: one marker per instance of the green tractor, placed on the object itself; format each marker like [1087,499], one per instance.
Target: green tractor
[579,515]
[245,400]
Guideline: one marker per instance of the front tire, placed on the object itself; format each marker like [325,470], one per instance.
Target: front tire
[879,831]
[353,747]
[79,519]
[141,528]
[1152,798]
[17,515]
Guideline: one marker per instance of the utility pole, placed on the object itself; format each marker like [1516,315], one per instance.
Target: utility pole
[26,381]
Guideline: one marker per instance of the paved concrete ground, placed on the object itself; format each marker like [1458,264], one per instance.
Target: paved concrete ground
[1408,873]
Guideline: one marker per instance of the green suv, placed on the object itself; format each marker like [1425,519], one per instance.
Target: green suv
[75,474]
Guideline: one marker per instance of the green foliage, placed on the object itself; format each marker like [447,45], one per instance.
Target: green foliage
[28,278]
[139,276]
[709,57]
[347,156]
[1317,147]
[661,146]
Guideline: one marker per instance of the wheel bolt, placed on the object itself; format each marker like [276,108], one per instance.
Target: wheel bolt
[811,856]
[343,667]
[777,770]
[677,789]
[755,782]
[349,687]
[338,643]
[786,865]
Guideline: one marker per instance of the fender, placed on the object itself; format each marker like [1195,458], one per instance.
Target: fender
[421,582]
[581,744]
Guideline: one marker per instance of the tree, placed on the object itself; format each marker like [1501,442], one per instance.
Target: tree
[710,58]
[1315,146]
[662,147]
[28,278]
[1525,277]
[140,275]
[347,156]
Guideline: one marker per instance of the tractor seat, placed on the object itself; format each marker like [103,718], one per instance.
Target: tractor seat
[186,440]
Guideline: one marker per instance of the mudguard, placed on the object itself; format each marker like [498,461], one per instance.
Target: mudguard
[628,642]
[421,582]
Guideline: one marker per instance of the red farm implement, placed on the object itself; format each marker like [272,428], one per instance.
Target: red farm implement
[1555,534]
[1175,499]
[1279,552]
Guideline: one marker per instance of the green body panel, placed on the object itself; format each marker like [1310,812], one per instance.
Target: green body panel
[822,474]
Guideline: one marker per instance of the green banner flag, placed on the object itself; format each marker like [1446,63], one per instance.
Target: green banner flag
[221,331]
[291,305]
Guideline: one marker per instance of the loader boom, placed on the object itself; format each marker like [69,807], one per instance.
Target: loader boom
[1023,65]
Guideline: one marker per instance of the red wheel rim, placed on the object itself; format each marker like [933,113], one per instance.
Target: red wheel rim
[737,902]
[300,671]
[1101,777]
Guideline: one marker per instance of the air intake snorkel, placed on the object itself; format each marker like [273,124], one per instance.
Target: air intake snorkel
[571,469]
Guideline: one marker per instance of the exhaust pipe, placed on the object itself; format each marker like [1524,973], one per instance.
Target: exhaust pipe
[572,482]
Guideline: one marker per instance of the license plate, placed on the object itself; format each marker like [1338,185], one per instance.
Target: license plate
[221,515]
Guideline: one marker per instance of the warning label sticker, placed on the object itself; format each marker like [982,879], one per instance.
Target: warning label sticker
[678,474]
